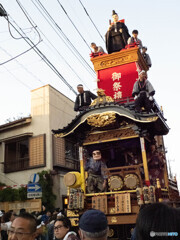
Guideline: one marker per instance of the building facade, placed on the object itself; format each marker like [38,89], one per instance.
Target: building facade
[28,146]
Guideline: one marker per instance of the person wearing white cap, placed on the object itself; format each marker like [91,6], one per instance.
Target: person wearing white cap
[83,99]
[143,93]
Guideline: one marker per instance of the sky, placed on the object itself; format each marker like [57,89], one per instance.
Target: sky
[157,22]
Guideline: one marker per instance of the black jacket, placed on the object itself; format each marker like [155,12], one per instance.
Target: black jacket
[84,99]
[115,40]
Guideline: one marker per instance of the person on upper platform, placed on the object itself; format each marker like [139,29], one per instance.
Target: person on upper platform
[143,93]
[96,49]
[134,39]
[117,35]
[83,99]
[146,57]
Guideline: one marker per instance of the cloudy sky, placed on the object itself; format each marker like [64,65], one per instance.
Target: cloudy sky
[157,22]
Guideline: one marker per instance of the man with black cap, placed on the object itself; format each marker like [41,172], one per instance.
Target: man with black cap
[146,57]
[93,225]
[117,35]
[83,99]
[143,93]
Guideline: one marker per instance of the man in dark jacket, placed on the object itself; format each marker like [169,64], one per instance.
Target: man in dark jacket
[143,92]
[117,35]
[83,99]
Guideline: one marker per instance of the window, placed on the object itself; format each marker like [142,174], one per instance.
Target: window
[65,153]
[71,150]
[71,155]
[24,153]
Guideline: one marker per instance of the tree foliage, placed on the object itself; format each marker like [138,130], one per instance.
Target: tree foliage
[46,182]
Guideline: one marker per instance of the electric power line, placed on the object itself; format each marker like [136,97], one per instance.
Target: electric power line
[81,61]
[73,24]
[63,34]
[31,20]
[43,57]
[27,86]
[9,60]
[91,20]
[29,72]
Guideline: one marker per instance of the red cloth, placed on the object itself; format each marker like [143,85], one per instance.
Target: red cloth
[122,20]
[118,81]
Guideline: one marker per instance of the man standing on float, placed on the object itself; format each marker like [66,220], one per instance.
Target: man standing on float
[117,35]
[83,99]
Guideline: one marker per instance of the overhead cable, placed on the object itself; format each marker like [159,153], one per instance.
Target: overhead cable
[44,58]
[91,20]
[64,35]
[31,21]
[73,24]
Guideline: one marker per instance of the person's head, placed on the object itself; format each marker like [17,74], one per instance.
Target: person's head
[93,46]
[93,225]
[23,228]
[80,88]
[157,218]
[9,216]
[61,227]
[55,212]
[142,75]
[1,215]
[48,213]
[96,154]
[144,49]
[22,210]
[115,16]
[135,33]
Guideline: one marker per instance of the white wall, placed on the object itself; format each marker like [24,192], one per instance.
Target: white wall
[49,110]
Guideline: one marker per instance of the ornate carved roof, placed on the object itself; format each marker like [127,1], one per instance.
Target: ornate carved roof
[110,115]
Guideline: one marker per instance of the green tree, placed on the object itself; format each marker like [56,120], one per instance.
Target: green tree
[46,182]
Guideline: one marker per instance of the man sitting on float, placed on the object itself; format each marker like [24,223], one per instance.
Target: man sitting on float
[143,93]
[97,178]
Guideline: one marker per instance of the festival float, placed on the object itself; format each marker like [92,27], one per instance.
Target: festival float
[131,145]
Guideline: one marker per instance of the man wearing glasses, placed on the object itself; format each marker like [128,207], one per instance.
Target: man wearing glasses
[62,229]
[23,228]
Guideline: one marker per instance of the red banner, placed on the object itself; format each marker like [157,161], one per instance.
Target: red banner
[118,81]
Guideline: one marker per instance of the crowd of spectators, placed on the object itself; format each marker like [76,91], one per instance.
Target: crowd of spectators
[154,221]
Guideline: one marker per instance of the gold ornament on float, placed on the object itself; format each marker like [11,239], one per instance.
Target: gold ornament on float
[115,183]
[102,98]
[131,181]
[101,119]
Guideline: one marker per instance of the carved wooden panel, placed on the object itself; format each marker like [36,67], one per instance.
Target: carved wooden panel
[120,133]
[119,58]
